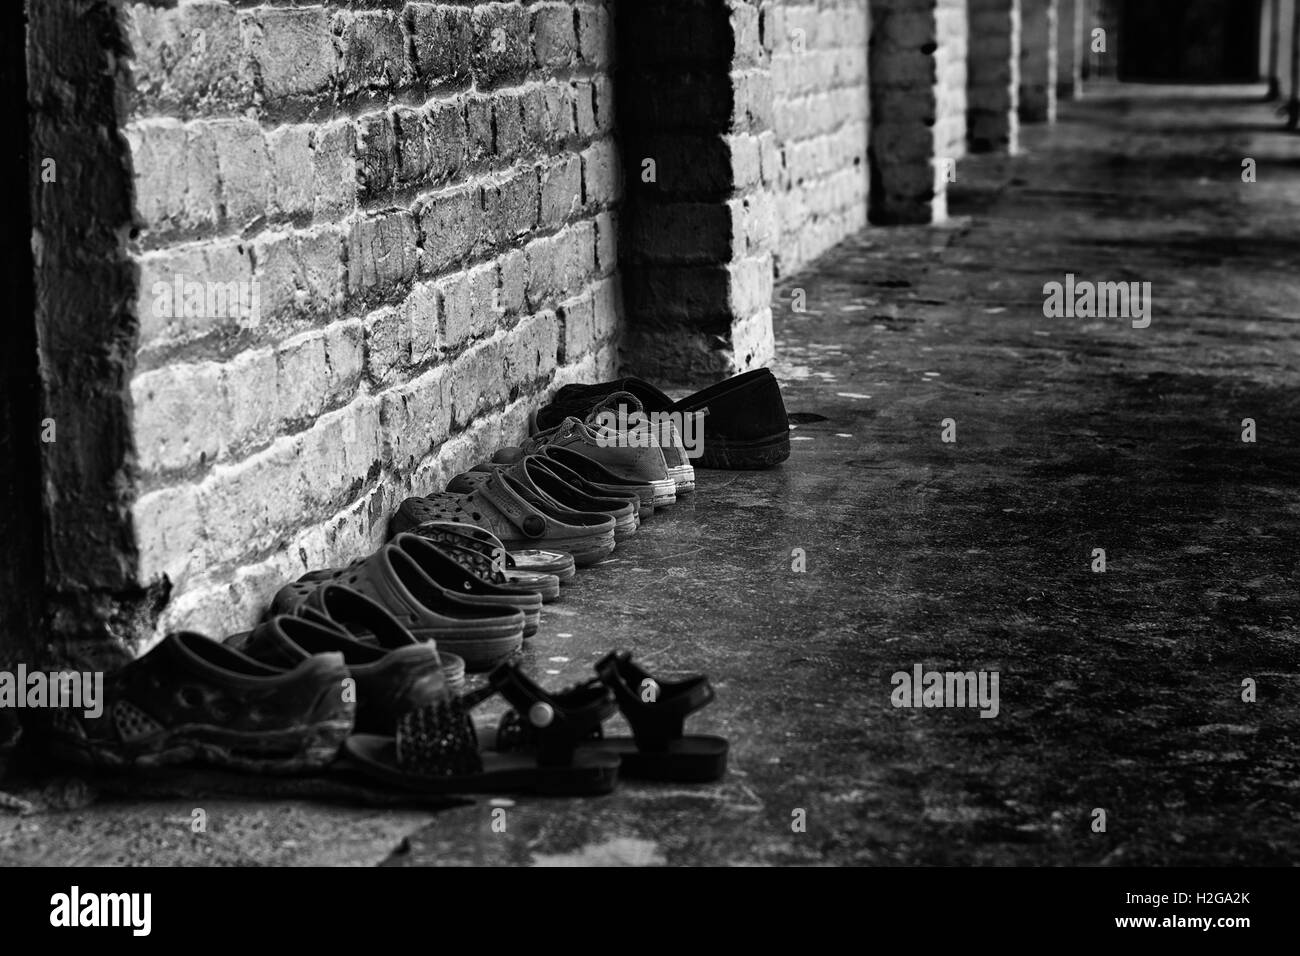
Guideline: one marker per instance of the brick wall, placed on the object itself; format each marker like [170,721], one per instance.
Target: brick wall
[424,197]
[820,122]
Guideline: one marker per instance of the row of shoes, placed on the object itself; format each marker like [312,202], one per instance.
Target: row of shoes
[362,669]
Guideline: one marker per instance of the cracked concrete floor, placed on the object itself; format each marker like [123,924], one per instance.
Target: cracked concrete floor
[1119,691]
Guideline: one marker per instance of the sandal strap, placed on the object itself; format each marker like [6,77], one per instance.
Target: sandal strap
[556,723]
[497,505]
[656,721]
[501,491]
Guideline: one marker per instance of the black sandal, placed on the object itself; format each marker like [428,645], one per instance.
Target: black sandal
[436,747]
[655,709]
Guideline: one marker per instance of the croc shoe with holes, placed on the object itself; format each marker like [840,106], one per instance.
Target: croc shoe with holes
[483,634]
[366,620]
[358,617]
[457,578]
[500,505]
[192,700]
[492,562]
[388,681]
[543,487]
[521,568]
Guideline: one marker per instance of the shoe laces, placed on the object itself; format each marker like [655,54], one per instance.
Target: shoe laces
[533,445]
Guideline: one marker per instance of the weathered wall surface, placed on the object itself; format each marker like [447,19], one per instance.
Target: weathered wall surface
[85,327]
[415,205]
[820,116]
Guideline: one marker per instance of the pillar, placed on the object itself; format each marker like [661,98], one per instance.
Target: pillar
[993,76]
[695,103]
[1038,61]
[1069,49]
[918,107]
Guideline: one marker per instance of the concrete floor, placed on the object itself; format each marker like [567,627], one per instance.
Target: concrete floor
[1119,691]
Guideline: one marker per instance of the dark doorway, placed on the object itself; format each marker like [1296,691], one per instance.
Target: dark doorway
[1190,41]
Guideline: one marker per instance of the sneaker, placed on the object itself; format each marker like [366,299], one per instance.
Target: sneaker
[622,417]
[744,420]
[193,700]
[644,466]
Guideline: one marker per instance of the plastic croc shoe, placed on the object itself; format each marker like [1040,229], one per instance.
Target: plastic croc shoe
[544,489]
[436,749]
[656,710]
[500,506]
[454,578]
[620,493]
[484,554]
[193,700]
[465,583]
[482,635]
[744,418]
[366,621]
[389,682]
[525,563]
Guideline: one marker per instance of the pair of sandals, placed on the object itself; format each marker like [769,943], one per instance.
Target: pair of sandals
[550,743]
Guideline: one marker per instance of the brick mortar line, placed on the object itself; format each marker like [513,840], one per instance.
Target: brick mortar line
[407,199]
[320,110]
[336,506]
[158,355]
[159,479]
[153,240]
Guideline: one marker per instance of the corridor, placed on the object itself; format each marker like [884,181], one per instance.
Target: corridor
[1120,691]
[879,548]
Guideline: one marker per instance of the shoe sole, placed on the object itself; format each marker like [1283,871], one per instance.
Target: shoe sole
[683,477]
[297,749]
[730,455]
[453,671]
[549,591]
[565,570]
[482,653]
[663,493]
[585,550]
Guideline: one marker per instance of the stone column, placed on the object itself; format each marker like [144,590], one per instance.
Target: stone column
[1038,61]
[918,107]
[1069,49]
[993,81]
[695,103]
